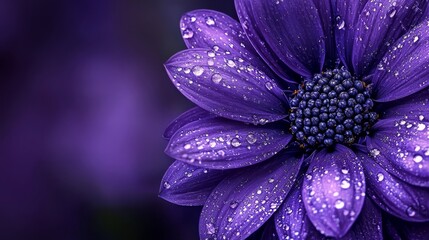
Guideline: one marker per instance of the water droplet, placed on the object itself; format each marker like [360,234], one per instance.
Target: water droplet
[345,184]
[233,204]
[210,228]
[197,71]
[230,63]
[235,142]
[416,38]
[167,185]
[339,204]
[421,127]
[340,23]
[189,174]
[193,19]
[187,33]
[216,78]
[344,171]
[392,12]
[288,210]
[210,21]
[271,180]
[230,219]
[212,144]
[259,191]
[380,177]
[273,205]
[411,211]
[251,139]
[421,117]
[269,86]
[187,146]
[374,152]
[418,158]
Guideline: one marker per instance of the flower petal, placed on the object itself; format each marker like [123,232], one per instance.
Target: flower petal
[291,219]
[291,31]
[400,145]
[188,185]
[226,85]
[334,191]
[217,31]
[393,195]
[379,25]
[404,69]
[368,225]
[189,116]
[347,15]
[221,144]
[243,202]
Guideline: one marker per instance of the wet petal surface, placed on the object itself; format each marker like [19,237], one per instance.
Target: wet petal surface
[226,85]
[220,143]
[334,191]
[188,185]
[291,31]
[404,70]
[242,203]
[291,219]
[187,117]
[214,30]
[400,145]
[393,195]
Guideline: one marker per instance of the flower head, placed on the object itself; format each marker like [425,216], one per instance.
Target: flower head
[312,119]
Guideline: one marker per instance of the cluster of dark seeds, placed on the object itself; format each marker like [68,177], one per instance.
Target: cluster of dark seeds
[333,107]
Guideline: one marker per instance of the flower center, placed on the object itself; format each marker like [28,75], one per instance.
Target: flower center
[332,107]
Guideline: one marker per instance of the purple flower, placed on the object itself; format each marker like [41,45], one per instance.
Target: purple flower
[312,119]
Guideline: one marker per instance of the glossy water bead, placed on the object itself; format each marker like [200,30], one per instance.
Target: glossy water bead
[332,107]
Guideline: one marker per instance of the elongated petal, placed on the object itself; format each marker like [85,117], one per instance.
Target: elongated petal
[220,143]
[334,191]
[188,185]
[393,195]
[242,203]
[227,86]
[400,145]
[214,30]
[413,107]
[187,117]
[347,16]
[291,31]
[380,24]
[368,225]
[291,219]
[404,69]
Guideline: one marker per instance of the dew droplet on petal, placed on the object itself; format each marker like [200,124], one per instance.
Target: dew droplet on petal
[187,33]
[210,21]
[380,177]
[167,185]
[345,184]
[235,142]
[216,78]
[197,71]
[233,204]
[210,229]
[251,139]
[339,204]
[411,211]
[417,158]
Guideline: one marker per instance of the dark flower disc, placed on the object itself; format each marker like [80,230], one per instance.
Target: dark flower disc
[332,107]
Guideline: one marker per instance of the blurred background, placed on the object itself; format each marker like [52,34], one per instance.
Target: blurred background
[84,100]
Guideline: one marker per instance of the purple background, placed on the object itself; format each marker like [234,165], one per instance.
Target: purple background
[84,101]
